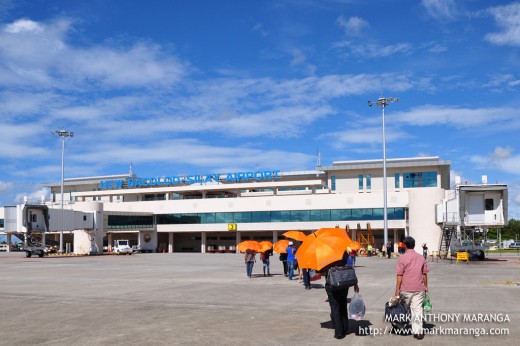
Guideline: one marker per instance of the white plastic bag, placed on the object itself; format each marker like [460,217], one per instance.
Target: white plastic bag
[357,307]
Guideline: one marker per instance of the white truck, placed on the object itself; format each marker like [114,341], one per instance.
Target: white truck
[122,247]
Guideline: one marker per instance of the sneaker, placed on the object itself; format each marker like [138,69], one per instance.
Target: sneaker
[300,281]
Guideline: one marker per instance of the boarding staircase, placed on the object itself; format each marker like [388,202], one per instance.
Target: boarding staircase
[444,246]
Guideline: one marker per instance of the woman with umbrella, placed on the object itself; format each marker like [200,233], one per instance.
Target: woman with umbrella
[250,248]
[322,250]
[281,248]
[250,259]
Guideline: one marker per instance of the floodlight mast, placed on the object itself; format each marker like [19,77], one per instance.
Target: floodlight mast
[63,134]
[383,102]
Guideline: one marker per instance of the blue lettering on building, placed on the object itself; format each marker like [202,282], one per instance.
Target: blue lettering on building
[236,177]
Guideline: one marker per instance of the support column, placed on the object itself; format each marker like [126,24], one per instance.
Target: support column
[239,239]
[396,239]
[170,242]
[203,242]
[109,240]
[43,240]
[275,236]
[8,238]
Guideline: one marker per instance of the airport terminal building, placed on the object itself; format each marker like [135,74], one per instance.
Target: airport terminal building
[215,211]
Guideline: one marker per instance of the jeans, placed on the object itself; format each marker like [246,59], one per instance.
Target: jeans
[353,260]
[290,269]
[249,268]
[266,265]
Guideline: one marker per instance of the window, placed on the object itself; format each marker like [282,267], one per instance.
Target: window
[490,205]
[333,183]
[369,181]
[360,177]
[396,180]
[419,179]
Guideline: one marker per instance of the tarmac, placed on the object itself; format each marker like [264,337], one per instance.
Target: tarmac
[207,299]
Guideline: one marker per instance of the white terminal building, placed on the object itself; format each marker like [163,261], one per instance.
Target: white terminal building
[215,211]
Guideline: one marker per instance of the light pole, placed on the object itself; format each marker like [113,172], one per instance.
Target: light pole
[383,102]
[63,134]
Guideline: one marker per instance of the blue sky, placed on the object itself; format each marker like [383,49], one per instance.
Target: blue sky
[193,87]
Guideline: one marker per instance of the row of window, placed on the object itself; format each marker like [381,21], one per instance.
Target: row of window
[130,221]
[366,214]
[410,180]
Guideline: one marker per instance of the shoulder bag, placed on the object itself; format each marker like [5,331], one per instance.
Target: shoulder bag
[341,277]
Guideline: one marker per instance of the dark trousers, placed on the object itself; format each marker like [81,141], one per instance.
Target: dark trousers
[284,268]
[388,252]
[306,278]
[338,310]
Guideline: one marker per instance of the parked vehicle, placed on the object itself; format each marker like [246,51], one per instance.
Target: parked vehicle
[122,247]
[514,246]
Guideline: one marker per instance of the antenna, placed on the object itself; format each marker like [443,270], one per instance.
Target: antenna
[318,161]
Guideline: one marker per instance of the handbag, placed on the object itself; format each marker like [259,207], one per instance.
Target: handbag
[342,277]
[398,315]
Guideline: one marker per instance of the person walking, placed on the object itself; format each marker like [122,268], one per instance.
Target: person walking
[306,278]
[389,249]
[425,251]
[290,260]
[337,299]
[264,257]
[250,259]
[283,259]
[412,284]
[352,254]
[383,250]
[400,248]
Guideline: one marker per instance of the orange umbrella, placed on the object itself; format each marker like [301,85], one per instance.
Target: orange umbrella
[248,245]
[343,231]
[265,245]
[281,246]
[320,250]
[296,235]
[355,246]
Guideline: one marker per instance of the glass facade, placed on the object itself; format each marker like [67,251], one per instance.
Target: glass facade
[419,179]
[396,180]
[133,221]
[365,214]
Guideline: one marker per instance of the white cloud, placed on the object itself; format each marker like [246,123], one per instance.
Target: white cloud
[362,135]
[352,26]
[299,59]
[501,158]
[5,187]
[508,20]
[455,116]
[37,55]
[440,9]
[23,25]
[374,50]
